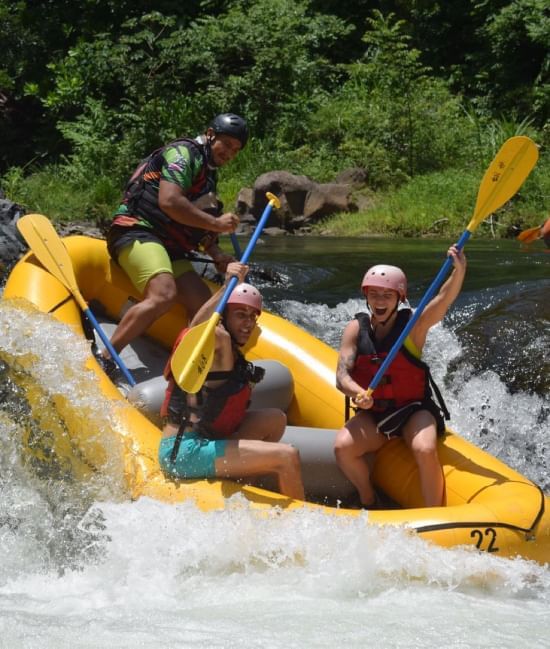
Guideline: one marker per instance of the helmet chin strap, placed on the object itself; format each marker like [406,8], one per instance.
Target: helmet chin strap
[209,140]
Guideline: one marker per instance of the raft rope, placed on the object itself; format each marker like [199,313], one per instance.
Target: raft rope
[509,526]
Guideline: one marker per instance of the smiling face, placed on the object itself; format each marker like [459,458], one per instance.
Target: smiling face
[382,302]
[240,321]
[223,148]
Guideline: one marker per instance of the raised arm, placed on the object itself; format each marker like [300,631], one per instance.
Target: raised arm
[234,269]
[437,308]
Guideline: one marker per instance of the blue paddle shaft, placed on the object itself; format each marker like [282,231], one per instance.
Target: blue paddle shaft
[246,254]
[438,280]
[109,347]
[236,246]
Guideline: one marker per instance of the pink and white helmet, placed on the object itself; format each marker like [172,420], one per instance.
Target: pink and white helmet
[384,276]
[248,295]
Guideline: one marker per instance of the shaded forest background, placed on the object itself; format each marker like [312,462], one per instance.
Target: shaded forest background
[421,94]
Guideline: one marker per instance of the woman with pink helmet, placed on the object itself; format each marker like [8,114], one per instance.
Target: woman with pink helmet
[211,433]
[403,404]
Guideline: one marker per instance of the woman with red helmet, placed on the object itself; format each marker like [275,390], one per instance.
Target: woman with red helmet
[211,433]
[403,403]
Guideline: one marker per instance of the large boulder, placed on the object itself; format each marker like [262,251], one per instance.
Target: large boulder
[356,177]
[303,201]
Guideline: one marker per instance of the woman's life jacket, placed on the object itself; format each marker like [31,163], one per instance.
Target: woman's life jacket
[140,207]
[407,379]
[215,413]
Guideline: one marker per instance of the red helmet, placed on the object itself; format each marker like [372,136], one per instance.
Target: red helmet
[383,276]
[246,295]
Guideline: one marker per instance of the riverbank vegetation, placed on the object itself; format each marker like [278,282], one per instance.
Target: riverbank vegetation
[87,89]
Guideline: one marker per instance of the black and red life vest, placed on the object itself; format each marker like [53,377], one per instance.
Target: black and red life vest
[406,380]
[217,412]
[141,199]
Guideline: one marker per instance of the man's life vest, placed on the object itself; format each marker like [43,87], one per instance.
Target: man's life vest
[406,380]
[141,200]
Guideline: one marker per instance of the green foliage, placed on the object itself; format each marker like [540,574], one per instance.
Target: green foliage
[517,73]
[89,88]
[391,116]
[435,203]
[256,57]
[50,192]
[442,204]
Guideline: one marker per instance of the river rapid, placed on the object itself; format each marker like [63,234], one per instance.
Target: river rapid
[82,566]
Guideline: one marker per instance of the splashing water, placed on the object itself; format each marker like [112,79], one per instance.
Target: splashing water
[81,566]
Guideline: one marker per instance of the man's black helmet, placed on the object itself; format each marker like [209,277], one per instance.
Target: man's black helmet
[231,124]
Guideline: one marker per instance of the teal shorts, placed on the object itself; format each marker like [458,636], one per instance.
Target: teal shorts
[196,456]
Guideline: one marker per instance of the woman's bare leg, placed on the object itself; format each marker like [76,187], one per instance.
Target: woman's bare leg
[420,435]
[358,437]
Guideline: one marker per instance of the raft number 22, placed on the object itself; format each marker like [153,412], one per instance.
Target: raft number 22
[489,544]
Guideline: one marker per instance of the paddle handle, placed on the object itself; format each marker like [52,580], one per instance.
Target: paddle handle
[438,280]
[273,200]
[108,345]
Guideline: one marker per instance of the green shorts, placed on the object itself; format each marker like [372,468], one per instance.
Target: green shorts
[196,456]
[142,260]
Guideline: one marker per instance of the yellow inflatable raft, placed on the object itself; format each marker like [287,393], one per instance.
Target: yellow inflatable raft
[489,506]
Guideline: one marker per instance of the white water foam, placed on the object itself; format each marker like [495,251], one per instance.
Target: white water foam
[169,575]
[83,569]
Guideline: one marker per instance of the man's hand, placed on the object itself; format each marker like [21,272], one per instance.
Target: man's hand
[227,223]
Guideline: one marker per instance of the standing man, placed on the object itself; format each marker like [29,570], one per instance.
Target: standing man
[168,211]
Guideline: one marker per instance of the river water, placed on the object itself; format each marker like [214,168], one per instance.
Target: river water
[81,566]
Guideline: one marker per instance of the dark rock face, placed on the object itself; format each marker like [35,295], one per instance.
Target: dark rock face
[303,201]
[12,245]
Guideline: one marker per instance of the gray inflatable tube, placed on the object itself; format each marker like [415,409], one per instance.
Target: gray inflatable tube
[323,480]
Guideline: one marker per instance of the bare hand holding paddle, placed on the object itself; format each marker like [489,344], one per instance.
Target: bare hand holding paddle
[235,269]
[227,223]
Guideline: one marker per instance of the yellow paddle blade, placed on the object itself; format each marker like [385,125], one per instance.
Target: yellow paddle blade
[530,235]
[47,247]
[192,358]
[504,176]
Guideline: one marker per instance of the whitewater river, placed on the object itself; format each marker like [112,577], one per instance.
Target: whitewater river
[81,566]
